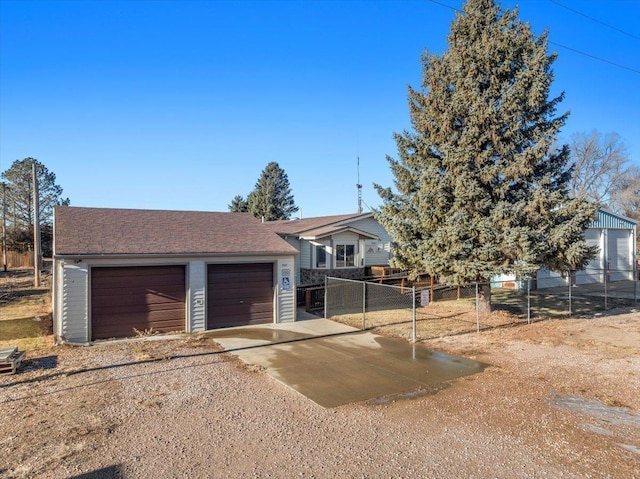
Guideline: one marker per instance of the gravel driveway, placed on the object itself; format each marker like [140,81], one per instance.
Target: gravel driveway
[560,401]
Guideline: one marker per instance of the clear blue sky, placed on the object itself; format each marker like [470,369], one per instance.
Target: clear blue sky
[180,105]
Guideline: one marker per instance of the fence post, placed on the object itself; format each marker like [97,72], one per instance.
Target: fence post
[528,300]
[477,311]
[326,294]
[570,281]
[307,300]
[606,278]
[364,304]
[431,298]
[413,314]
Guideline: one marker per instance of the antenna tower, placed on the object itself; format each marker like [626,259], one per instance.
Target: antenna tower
[359,186]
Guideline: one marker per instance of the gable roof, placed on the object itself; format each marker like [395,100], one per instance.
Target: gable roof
[109,231]
[609,219]
[325,231]
[303,226]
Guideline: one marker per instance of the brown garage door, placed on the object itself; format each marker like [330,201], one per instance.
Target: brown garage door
[239,294]
[142,298]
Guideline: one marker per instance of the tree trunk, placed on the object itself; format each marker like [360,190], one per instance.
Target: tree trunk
[484,297]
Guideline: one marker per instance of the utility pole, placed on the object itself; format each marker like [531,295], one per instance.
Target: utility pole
[4,227]
[359,186]
[37,257]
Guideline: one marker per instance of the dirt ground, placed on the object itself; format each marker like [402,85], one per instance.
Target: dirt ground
[561,399]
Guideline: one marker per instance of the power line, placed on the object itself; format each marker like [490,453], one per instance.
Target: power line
[596,20]
[575,50]
[595,57]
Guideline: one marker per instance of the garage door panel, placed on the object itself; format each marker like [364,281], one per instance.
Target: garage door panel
[137,298]
[224,302]
[118,309]
[150,272]
[131,296]
[239,294]
[130,326]
[149,282]
[235,308]
[249,294]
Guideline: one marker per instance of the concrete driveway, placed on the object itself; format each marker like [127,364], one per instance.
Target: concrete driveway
[333,364]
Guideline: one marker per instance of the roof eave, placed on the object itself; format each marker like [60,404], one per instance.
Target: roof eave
[81,256]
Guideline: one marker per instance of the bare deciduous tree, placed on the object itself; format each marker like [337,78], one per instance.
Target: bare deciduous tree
[601,165]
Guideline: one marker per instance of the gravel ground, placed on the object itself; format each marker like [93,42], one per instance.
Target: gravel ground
[560,400]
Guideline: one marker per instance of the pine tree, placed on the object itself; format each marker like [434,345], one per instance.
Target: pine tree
[18,195]
[20,186]
[481,189]
[272,199]
[238,205]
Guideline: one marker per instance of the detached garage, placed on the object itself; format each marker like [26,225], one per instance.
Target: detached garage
[118,272]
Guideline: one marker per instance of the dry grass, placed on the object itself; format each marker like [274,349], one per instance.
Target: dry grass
[445,318]
[20,302]
[20,299]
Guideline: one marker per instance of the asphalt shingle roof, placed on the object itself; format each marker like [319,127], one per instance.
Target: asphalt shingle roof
[107,231]
[299,226]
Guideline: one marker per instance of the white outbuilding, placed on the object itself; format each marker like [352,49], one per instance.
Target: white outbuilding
[615,237]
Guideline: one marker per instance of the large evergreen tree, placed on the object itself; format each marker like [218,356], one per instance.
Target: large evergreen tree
[272,198]
[480,188]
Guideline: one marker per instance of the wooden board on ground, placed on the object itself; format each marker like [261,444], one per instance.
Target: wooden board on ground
[10,360]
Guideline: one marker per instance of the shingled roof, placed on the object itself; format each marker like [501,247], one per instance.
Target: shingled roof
[106,231]
[300,226]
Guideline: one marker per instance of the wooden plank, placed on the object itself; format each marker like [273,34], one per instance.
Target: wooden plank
[6,353]
[12,362]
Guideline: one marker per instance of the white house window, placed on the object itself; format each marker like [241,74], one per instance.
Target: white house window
[320,257]
[345,255]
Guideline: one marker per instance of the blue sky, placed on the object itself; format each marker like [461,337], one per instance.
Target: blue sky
[180,105]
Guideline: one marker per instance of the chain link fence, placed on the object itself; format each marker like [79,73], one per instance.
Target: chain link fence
[368,305]
[570,293]
[438,311]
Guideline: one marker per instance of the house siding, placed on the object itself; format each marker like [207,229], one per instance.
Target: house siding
[285,297]
[376,252]
[305,257]
[196,294]
[297,244]
[74,321]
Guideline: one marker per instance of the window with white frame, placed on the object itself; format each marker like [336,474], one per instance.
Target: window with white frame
[345,255]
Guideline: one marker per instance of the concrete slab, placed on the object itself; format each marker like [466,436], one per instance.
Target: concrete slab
[333,364]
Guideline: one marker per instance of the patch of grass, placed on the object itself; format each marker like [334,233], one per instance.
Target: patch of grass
[28,344]
[19,328]
[442,318]
[19,305]
[26,334]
